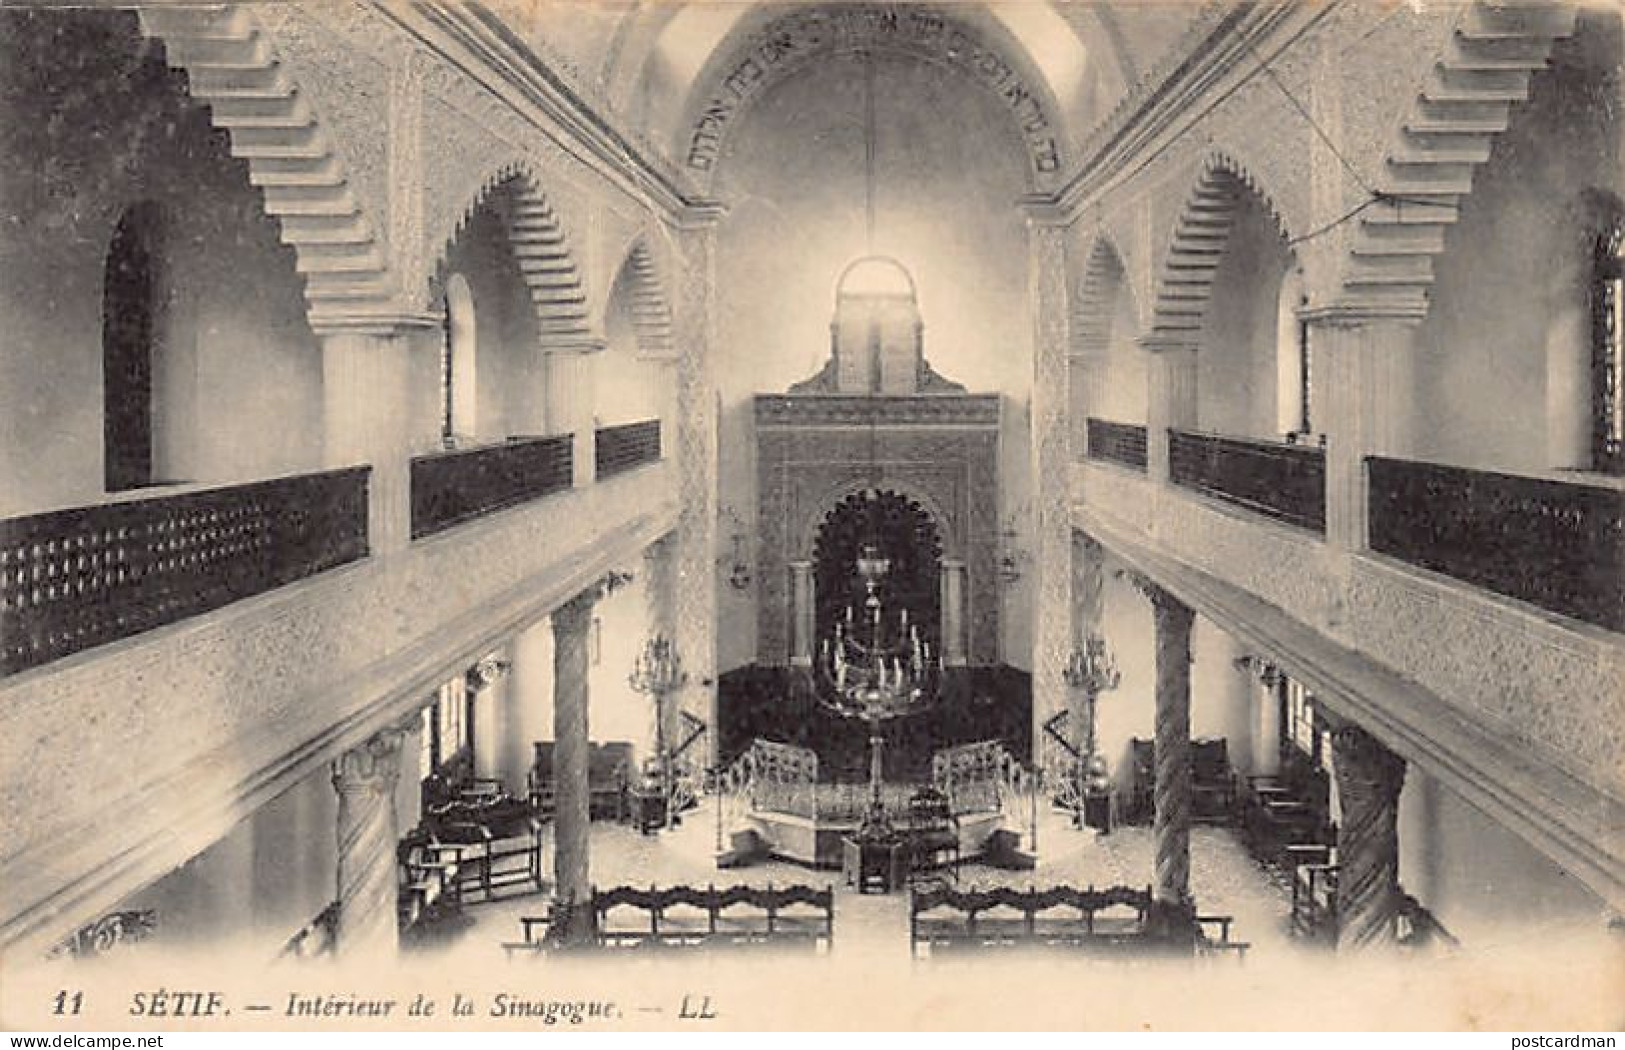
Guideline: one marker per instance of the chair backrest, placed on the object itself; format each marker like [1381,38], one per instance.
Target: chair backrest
[928,810]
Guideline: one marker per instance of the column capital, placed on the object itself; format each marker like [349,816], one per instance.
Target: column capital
[375,322]
[1362,314]
[1361,758]
[373,765]
[575,614]
[1168,343]
[701,214]
[1164,603]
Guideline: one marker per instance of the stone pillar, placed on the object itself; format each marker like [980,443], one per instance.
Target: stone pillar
[571,819]
[697,412]
[1088,606]
[953,613]
[367,419]
[571,400]
[1368,390]
[1172,830]
[659,594]
[365,779]
[1171,399]
[1051,470]
[1369,780]
[801,614]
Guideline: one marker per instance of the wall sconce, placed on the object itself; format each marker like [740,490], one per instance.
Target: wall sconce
[484,673]
[1012,559]
[738,566]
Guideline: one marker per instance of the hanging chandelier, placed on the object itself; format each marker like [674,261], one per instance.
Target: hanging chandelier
[875,665]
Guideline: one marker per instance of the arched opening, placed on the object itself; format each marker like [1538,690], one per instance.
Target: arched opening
[1294,399]
[1240,378]
[628,387]
[900,531]
[1607,298]
[459,365]
[132,301]
[1507,357]
[491,379]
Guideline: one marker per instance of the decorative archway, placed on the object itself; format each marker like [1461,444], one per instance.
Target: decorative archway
[231,66]
[743,72]
[1185,284]
[903,532]
[541,247]
[1464,102]
[646,305]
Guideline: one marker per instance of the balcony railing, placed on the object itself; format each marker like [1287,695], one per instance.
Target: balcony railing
[621,448]
[1284,482]
[1120,443]
[450,488]
[1554,544]
[74,579]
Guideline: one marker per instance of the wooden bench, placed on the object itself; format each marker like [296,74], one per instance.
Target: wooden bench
[499,842]
[1112,920]
[685,916]
[609,774]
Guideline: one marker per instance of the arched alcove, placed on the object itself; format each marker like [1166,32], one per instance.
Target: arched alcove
[460,365]
[493,383]
[1238,379]
[132,298]
[899,530]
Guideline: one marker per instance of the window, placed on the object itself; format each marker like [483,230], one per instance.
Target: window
[1294,415]
[1303,732]
[1608,351]
[457,363]
[131,301]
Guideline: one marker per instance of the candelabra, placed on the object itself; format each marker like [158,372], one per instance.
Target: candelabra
[657,673]
[1091,672]
[875,669]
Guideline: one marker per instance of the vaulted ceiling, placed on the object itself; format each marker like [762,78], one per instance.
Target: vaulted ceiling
[662,65]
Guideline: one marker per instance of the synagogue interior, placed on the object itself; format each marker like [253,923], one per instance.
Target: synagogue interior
[522,484]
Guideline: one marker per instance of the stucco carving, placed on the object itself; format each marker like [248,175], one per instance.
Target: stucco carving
[266,676]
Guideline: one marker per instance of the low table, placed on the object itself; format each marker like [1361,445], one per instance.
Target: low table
[874,865]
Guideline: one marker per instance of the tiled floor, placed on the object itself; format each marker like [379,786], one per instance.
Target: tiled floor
[1224,879]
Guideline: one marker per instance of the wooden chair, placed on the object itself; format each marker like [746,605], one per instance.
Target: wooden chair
[932,833]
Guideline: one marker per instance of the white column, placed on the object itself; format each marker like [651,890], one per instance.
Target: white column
[953,613]
[697,408]
[367,418]
[1368,394]
[659,594]
[529,716]
[1171,402]
[571,401]
[1051,463]
[571,733]
[1088,605]
[365,779]
[801,614]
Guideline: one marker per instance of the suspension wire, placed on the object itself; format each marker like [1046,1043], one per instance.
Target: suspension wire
[869,150]
[1373,195]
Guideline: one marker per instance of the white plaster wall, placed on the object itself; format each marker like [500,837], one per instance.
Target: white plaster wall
[509,378]
[1487,886]
[1502,358]
[1236,382]
[237,385]
[949,172]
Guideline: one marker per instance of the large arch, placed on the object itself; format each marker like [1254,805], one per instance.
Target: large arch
[541,246]
[1462,105]
[1097,367]
[647,303]
[231,65]
[771,45]
[1201,235]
